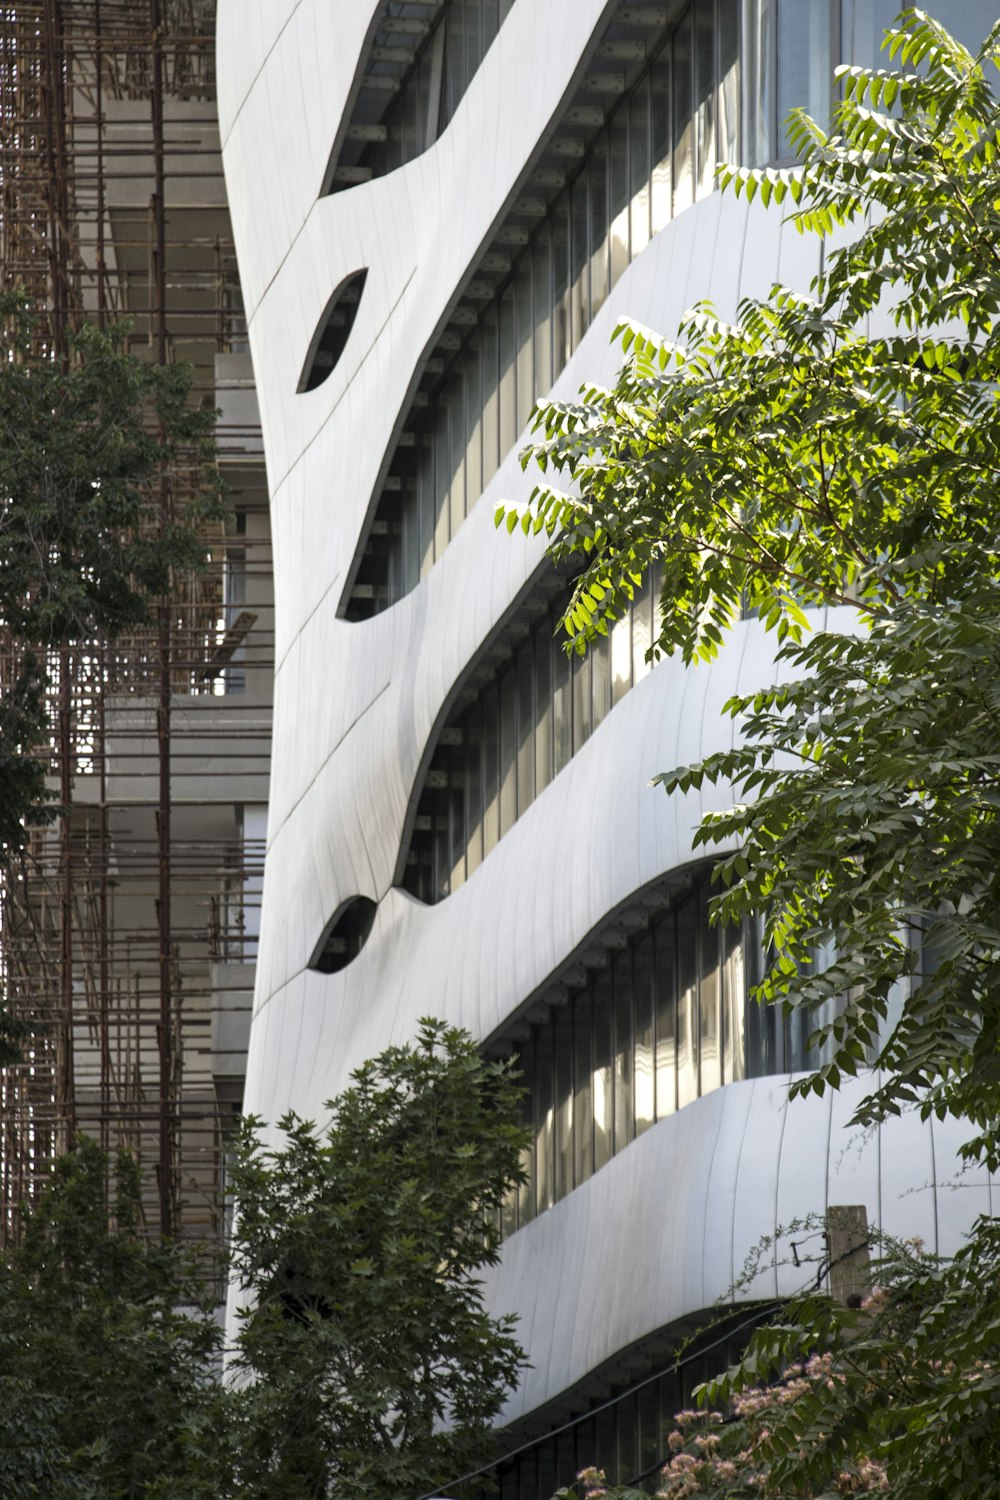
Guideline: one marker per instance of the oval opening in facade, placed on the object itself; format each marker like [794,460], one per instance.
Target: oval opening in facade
[330,339]
[344,936]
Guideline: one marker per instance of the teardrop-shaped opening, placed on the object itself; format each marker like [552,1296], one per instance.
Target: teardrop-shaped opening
[330,339]
[344,936]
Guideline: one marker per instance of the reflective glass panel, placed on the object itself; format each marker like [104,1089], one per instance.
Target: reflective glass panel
[624,1050]
[544,1121]
[665,999]
[687,1001]
[710,997]
[603,1091]
[682,96]
[704,96]
[645,1102]
[639,169]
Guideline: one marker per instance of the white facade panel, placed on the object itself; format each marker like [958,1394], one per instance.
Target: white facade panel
[662,1230]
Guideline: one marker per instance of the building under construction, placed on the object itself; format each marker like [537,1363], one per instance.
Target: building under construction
[128,938]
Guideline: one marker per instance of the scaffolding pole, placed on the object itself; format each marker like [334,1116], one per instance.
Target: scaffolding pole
[133,919]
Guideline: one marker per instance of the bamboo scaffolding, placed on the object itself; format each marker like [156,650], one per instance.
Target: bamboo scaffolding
[131,915]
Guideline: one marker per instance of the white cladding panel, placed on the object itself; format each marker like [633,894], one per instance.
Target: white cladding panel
[662,1230]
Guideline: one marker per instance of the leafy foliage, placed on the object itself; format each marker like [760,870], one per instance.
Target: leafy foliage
[900,1401]
[84,442]
[105,1353]
[796,460]
[842,448]
[358,1248]
[84,445]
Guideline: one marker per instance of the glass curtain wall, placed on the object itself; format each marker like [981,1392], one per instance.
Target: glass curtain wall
[666,1020]
[791,48]
[655,155]
[627,1439]
[423,102]
[519,730]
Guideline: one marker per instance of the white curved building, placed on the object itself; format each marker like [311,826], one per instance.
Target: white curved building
[441,209]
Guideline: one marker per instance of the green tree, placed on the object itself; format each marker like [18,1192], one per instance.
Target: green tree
[794,460]
[372,1368]
[85,442]
[106,1352]
[900,1401]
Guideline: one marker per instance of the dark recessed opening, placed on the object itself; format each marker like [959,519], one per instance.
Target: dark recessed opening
[330,339]
[344,936]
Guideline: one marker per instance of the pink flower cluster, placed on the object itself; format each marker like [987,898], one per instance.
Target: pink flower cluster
[594,1483]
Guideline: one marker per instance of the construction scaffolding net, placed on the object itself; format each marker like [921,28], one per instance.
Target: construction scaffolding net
[128,932]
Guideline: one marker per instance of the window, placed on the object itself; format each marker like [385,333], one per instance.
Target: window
[663,1016]
[632,149]
[344,936]
[420,60]
[499,751]
[330,339]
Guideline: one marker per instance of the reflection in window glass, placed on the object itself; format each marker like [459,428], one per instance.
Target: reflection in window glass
[682,94]
[474,786]
[687,1002]
[668,1018]
[525,727]
[734,990]
[455,75]
[599,257]
[645,1102]
[542,270]
[621,656]
[729,79]
[704,96]
[526,1191]
[507,753]
[457,824]
[583,1105]
[544,1195]
[642,630]
[624,1057]
[660,141]
[560,284]
[543,709]
[442,517]
[525,338]
[665,999]
[639,169]
[491,769]
[764,1049]
[508,343]
[582,700]
[709,988]
[619,194]
[459,430]
[562,709]
[413,104]
[473,404]
[804,66]
[491,396]
[660,201]
[603,1089]
[600,654]
[760,124]
[564,1120]
[579,261]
